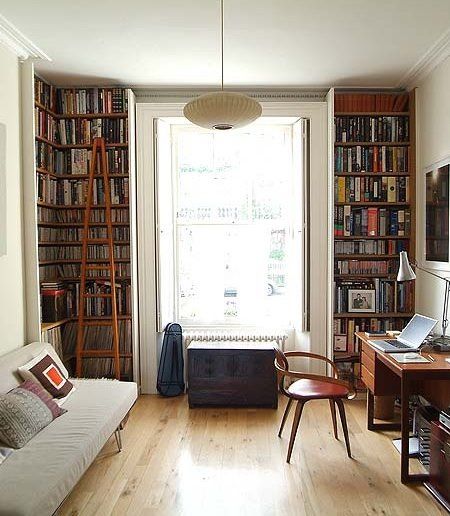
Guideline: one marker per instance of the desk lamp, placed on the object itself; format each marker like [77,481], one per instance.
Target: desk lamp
[406,273]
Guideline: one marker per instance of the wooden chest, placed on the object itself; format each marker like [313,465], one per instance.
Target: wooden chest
[232,374]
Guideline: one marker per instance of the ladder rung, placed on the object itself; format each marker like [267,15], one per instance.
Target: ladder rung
[96,295]
[92,241]
[97,353]
[99,322]
[98,267]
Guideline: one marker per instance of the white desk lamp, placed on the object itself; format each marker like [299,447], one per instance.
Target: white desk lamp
[406,273]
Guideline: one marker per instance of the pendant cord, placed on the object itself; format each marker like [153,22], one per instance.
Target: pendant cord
[221,33]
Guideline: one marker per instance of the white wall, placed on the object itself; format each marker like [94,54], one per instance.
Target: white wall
[433,144]
[11,269]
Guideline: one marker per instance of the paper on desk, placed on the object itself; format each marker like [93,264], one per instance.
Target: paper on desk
[400,357]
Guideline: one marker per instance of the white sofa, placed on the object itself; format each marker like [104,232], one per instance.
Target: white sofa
[37,478]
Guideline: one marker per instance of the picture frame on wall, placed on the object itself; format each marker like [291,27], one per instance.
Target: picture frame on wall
[436,245]
[360,300]
[3,226]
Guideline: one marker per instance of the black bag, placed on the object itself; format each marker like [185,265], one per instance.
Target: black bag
[171,365]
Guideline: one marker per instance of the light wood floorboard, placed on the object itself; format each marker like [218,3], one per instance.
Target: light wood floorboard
[178,461]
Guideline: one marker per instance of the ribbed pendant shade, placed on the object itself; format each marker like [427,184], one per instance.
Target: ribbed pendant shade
[222,110]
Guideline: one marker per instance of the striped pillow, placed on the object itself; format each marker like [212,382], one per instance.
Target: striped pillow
[24,413]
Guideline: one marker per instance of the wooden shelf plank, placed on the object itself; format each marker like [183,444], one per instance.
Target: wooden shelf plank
[50,325]
[376,315]
[372,203]
[371,113]
[363,276]
[372,174]
[371,144]
[74,176]
[78,206]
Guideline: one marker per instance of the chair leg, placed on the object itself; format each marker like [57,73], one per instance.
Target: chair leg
[297,416]
[341,408]
[333,417]
[285,416]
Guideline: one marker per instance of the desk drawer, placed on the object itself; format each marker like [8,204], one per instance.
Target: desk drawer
[368,362]
[368,378]
[368,350]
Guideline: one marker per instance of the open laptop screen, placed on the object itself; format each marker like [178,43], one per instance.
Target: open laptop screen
[417,329]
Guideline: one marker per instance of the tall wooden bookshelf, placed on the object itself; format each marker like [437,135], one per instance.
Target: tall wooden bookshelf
[65,121]
[374,215]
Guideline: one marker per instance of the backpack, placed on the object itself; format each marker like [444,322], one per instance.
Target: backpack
[170,380]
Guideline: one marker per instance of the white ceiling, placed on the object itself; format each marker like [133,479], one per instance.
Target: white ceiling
[268,43]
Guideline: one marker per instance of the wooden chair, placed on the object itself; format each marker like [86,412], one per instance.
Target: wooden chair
[311,387]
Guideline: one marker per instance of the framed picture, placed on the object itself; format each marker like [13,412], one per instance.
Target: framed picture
[361,300]
[340,343]
[436,251]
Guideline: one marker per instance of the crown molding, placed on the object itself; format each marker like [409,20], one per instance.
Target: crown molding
[18,43]
[175,95]
[435,55]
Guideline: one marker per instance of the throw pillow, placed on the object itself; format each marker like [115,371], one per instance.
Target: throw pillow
[45,371]
[41,393]
[22,415]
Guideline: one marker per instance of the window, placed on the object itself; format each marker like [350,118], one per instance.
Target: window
[236,216]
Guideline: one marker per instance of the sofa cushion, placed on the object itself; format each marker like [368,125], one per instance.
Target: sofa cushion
[23,413]
[36,479]
[45,371]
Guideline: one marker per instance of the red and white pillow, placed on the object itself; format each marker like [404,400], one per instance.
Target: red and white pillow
[53,377]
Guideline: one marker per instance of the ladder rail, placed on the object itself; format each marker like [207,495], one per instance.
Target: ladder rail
[98,147]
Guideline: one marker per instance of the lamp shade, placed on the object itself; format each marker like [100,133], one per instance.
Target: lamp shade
[405,272]
[222,110]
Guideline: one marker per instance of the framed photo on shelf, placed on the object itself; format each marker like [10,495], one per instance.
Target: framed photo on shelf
[340,343]
[436,248]
[361,300]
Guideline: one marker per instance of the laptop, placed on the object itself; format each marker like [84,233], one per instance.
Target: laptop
[410,339]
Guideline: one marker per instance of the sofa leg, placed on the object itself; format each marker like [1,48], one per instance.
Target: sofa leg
[118,437]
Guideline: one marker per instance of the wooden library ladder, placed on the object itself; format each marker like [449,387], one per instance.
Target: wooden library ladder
[89,264]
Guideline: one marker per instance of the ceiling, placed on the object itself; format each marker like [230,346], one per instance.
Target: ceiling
[268,43]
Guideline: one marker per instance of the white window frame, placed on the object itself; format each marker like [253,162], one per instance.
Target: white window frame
[316,339]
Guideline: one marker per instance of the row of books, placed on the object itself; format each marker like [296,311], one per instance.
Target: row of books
[99,338]
[73,270]
[371,128]
[53,336]
[73,252]
[51,234]
[371,189]
[44,93]
[344,330]
[437,221]
[356,267]
[367,102]
[77,161]
[74,191]
[351,221]
[391,247]
[99,306]
[91,100]
[76,215]
[73,131]
[358,159]
[375,296]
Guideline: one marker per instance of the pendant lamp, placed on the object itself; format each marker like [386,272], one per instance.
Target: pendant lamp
[224,109]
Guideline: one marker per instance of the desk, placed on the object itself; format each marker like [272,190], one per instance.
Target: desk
[384,376]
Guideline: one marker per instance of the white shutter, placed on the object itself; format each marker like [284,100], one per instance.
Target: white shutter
[165,263]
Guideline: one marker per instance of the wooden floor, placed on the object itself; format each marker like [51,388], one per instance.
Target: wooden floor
[199,462]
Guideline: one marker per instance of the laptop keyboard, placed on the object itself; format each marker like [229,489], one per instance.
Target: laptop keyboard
[397,344]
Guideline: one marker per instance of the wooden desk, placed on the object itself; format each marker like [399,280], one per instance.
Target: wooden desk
[384,376]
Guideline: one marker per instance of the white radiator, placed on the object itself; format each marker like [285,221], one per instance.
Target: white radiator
[236,336]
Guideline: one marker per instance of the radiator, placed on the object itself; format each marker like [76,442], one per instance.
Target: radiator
[236,336]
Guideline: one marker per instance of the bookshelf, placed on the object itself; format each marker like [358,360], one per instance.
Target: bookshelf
[374,215]
[65,122]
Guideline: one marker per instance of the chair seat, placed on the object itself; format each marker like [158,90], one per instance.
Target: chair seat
[315,389]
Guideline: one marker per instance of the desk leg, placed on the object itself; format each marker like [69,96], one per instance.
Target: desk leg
[370,410]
